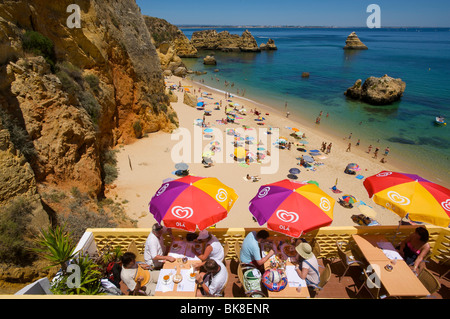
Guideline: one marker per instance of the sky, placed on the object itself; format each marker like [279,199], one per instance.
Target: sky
[338,13]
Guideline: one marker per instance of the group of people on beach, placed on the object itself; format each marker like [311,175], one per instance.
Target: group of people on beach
[326,148]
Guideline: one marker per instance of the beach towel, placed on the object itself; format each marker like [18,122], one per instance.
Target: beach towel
[359,177]
[335,190]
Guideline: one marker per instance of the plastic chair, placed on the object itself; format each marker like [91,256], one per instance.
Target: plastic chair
[237,249]
[251,288]
[347,258]
[429,281]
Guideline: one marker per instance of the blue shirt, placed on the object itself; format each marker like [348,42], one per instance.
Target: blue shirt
[250,250]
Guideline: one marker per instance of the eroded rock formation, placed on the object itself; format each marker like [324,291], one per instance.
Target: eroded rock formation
[377,91]
[354,43]
[224,41]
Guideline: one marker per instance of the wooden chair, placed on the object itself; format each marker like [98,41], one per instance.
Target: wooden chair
[316,247]
[429,281]
[324,278]
[237,250]
[347,258]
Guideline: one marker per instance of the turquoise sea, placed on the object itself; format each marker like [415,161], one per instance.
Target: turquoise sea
[420,57]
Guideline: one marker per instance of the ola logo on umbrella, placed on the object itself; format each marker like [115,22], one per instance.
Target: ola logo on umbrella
[263,192]
[182,212]
[446,205]
[325,204]
[222,195]
[287,217]
[398,199]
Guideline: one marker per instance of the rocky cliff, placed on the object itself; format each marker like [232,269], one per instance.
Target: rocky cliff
[354,43]
[224,41]
[68,95]
[377,91]
[171,45]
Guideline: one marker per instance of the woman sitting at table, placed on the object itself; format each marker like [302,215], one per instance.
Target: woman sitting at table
[415,248]
[308,266]
[213,248]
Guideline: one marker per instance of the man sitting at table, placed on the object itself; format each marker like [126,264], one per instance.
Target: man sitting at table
[138,281]
[251,251]
[213,280]
[155,252]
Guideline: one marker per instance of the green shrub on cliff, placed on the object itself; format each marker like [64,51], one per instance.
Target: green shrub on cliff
[14,220]
[38,44]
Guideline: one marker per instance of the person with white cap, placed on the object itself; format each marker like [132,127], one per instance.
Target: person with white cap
[155,252]
[213,248]
[308,266]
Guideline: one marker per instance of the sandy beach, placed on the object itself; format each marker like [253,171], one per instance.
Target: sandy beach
[144,164]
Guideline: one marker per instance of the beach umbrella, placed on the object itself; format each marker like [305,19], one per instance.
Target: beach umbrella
[182,166]
[292,208]
[353,166]
[208,130]
[261,149]
[207,154]
[412,195]
[294,171]
[308,159]
[349,199]
[192,202]
[240,152]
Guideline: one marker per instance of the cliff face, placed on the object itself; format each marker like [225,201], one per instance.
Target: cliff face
[106,76]
[162,32]
[224,41]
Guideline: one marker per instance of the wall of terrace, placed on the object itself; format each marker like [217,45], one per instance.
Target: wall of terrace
[97,239]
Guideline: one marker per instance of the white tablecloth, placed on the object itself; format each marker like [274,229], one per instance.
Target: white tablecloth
[161,286]
[293,278]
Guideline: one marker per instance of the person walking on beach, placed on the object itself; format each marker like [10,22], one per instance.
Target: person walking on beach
[370,149]
[349,147]
[386,151]
[350,136]
[357,143]
[329,148]
[375,155]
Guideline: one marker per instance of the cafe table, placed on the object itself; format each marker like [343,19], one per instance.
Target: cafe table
[282,252]
[187,288]
[400,281]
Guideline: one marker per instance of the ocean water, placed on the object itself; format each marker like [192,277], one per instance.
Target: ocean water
[420,57]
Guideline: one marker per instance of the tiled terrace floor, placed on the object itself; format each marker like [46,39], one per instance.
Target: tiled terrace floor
[344,289]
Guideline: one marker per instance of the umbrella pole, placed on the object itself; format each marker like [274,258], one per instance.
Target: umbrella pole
[398,227]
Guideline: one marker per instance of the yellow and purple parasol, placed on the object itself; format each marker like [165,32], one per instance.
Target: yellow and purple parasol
[292,208]
[192,202]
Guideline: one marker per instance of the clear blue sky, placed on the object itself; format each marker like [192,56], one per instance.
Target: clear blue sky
[340,13]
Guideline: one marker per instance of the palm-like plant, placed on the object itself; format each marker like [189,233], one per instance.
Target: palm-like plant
[56,246]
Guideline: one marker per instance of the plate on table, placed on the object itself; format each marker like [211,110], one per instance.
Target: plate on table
[177,278]
[176,247]
[192,276]
[289,250]
[166,279]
